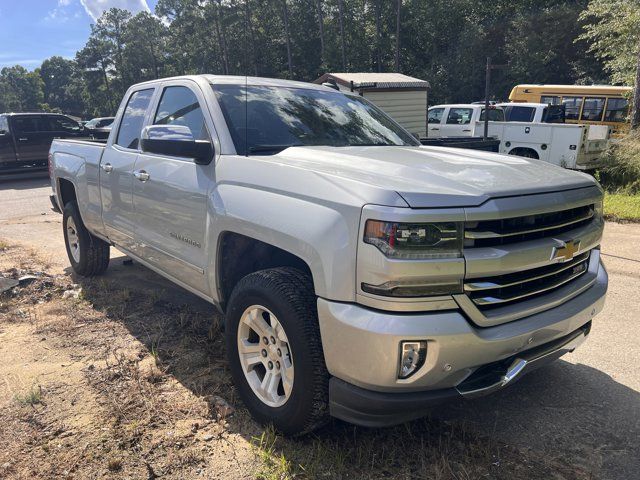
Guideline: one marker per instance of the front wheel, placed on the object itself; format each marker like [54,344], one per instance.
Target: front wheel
[87,254]
[274,350]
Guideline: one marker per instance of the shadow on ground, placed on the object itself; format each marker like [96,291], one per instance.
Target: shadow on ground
[564,421]
[25,181]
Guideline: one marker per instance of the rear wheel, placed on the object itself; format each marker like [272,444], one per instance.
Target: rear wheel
[524,152]
[87,254]
[274,350]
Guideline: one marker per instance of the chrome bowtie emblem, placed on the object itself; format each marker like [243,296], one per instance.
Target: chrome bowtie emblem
[566,252]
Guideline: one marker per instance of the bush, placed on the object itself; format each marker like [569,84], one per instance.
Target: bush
[622,173]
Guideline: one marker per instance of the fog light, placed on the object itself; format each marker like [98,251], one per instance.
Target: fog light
[412,357]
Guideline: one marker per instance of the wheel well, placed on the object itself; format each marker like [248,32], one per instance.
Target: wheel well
[239,255]
[67,192]
[525,152]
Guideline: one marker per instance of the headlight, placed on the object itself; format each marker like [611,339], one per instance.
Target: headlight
[415,241]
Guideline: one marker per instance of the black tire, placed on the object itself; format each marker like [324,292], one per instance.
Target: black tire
[289,294]
[524,152]
[93,254]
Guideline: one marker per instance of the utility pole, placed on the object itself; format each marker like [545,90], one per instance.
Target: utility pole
[398,13]
[635,111]
[487,83]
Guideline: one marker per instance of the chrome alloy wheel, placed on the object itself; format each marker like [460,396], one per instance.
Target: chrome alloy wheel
[265,356]
[73,240]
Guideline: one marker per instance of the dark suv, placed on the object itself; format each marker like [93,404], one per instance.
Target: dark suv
[25,139]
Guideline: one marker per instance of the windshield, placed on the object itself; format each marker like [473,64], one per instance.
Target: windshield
[270,119]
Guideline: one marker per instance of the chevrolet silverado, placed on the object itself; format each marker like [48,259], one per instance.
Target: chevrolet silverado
[361,275]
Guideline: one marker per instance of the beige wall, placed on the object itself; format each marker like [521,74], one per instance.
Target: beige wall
[408,108]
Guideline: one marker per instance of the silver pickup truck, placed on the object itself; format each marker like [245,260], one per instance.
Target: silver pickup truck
[361,274]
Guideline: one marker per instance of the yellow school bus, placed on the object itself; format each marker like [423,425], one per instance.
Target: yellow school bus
[592,104]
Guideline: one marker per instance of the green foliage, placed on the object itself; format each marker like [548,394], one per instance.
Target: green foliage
[20,89]
[443,41]
[613,31]
[622,173]
[621,207]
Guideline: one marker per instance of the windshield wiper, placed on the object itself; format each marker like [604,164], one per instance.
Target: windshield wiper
[271,148]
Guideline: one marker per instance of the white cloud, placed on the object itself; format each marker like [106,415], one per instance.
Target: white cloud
[94,8]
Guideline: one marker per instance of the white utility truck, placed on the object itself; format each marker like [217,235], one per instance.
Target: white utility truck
[577,147]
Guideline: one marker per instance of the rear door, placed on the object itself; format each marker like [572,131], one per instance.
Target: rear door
[170,199]
[116,170]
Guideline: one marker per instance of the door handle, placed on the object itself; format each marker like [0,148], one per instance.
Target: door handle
[466,130]
[435,128]
[141,175]
[107,167]
[23,139]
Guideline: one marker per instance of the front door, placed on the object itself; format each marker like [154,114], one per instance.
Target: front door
[170,194]
[457,122]
[7,152]
[116,171]
[32,139]
[434,119]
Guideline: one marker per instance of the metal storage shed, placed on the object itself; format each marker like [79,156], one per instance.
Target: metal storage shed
[402,97]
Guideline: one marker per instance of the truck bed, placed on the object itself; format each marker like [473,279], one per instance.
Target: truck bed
[473,143]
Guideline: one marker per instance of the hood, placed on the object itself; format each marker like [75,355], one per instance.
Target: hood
[437,176]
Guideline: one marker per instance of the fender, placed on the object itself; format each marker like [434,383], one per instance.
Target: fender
[84,177]
[322,236]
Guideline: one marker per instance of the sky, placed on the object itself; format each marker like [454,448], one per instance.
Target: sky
[33,30]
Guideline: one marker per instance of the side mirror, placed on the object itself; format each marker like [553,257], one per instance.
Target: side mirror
[176,141]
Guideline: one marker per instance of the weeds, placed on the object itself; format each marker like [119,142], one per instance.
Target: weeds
[31,398]
[622,173]
[273,464]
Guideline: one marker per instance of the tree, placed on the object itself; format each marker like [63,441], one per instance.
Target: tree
[63,85]
[144,48]
[612,29]
[20,90]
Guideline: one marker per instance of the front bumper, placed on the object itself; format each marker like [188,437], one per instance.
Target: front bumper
[361,348]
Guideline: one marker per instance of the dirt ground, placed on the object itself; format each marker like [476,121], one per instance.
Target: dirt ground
[129,380]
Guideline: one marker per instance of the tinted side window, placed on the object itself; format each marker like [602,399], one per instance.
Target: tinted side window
[179,106]
[553,114]
[435,115]
[572,107]
[495,115]
[62,124]
[26,124]
[520,114]
[133,118]
[616,110]
[459,116]
[592,110]
[550,99]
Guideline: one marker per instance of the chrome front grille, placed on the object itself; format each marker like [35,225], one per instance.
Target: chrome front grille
[531,261]
[495,291]
[488,233]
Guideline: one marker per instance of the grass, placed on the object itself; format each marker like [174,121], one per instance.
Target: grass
[32,397]
[622,207]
